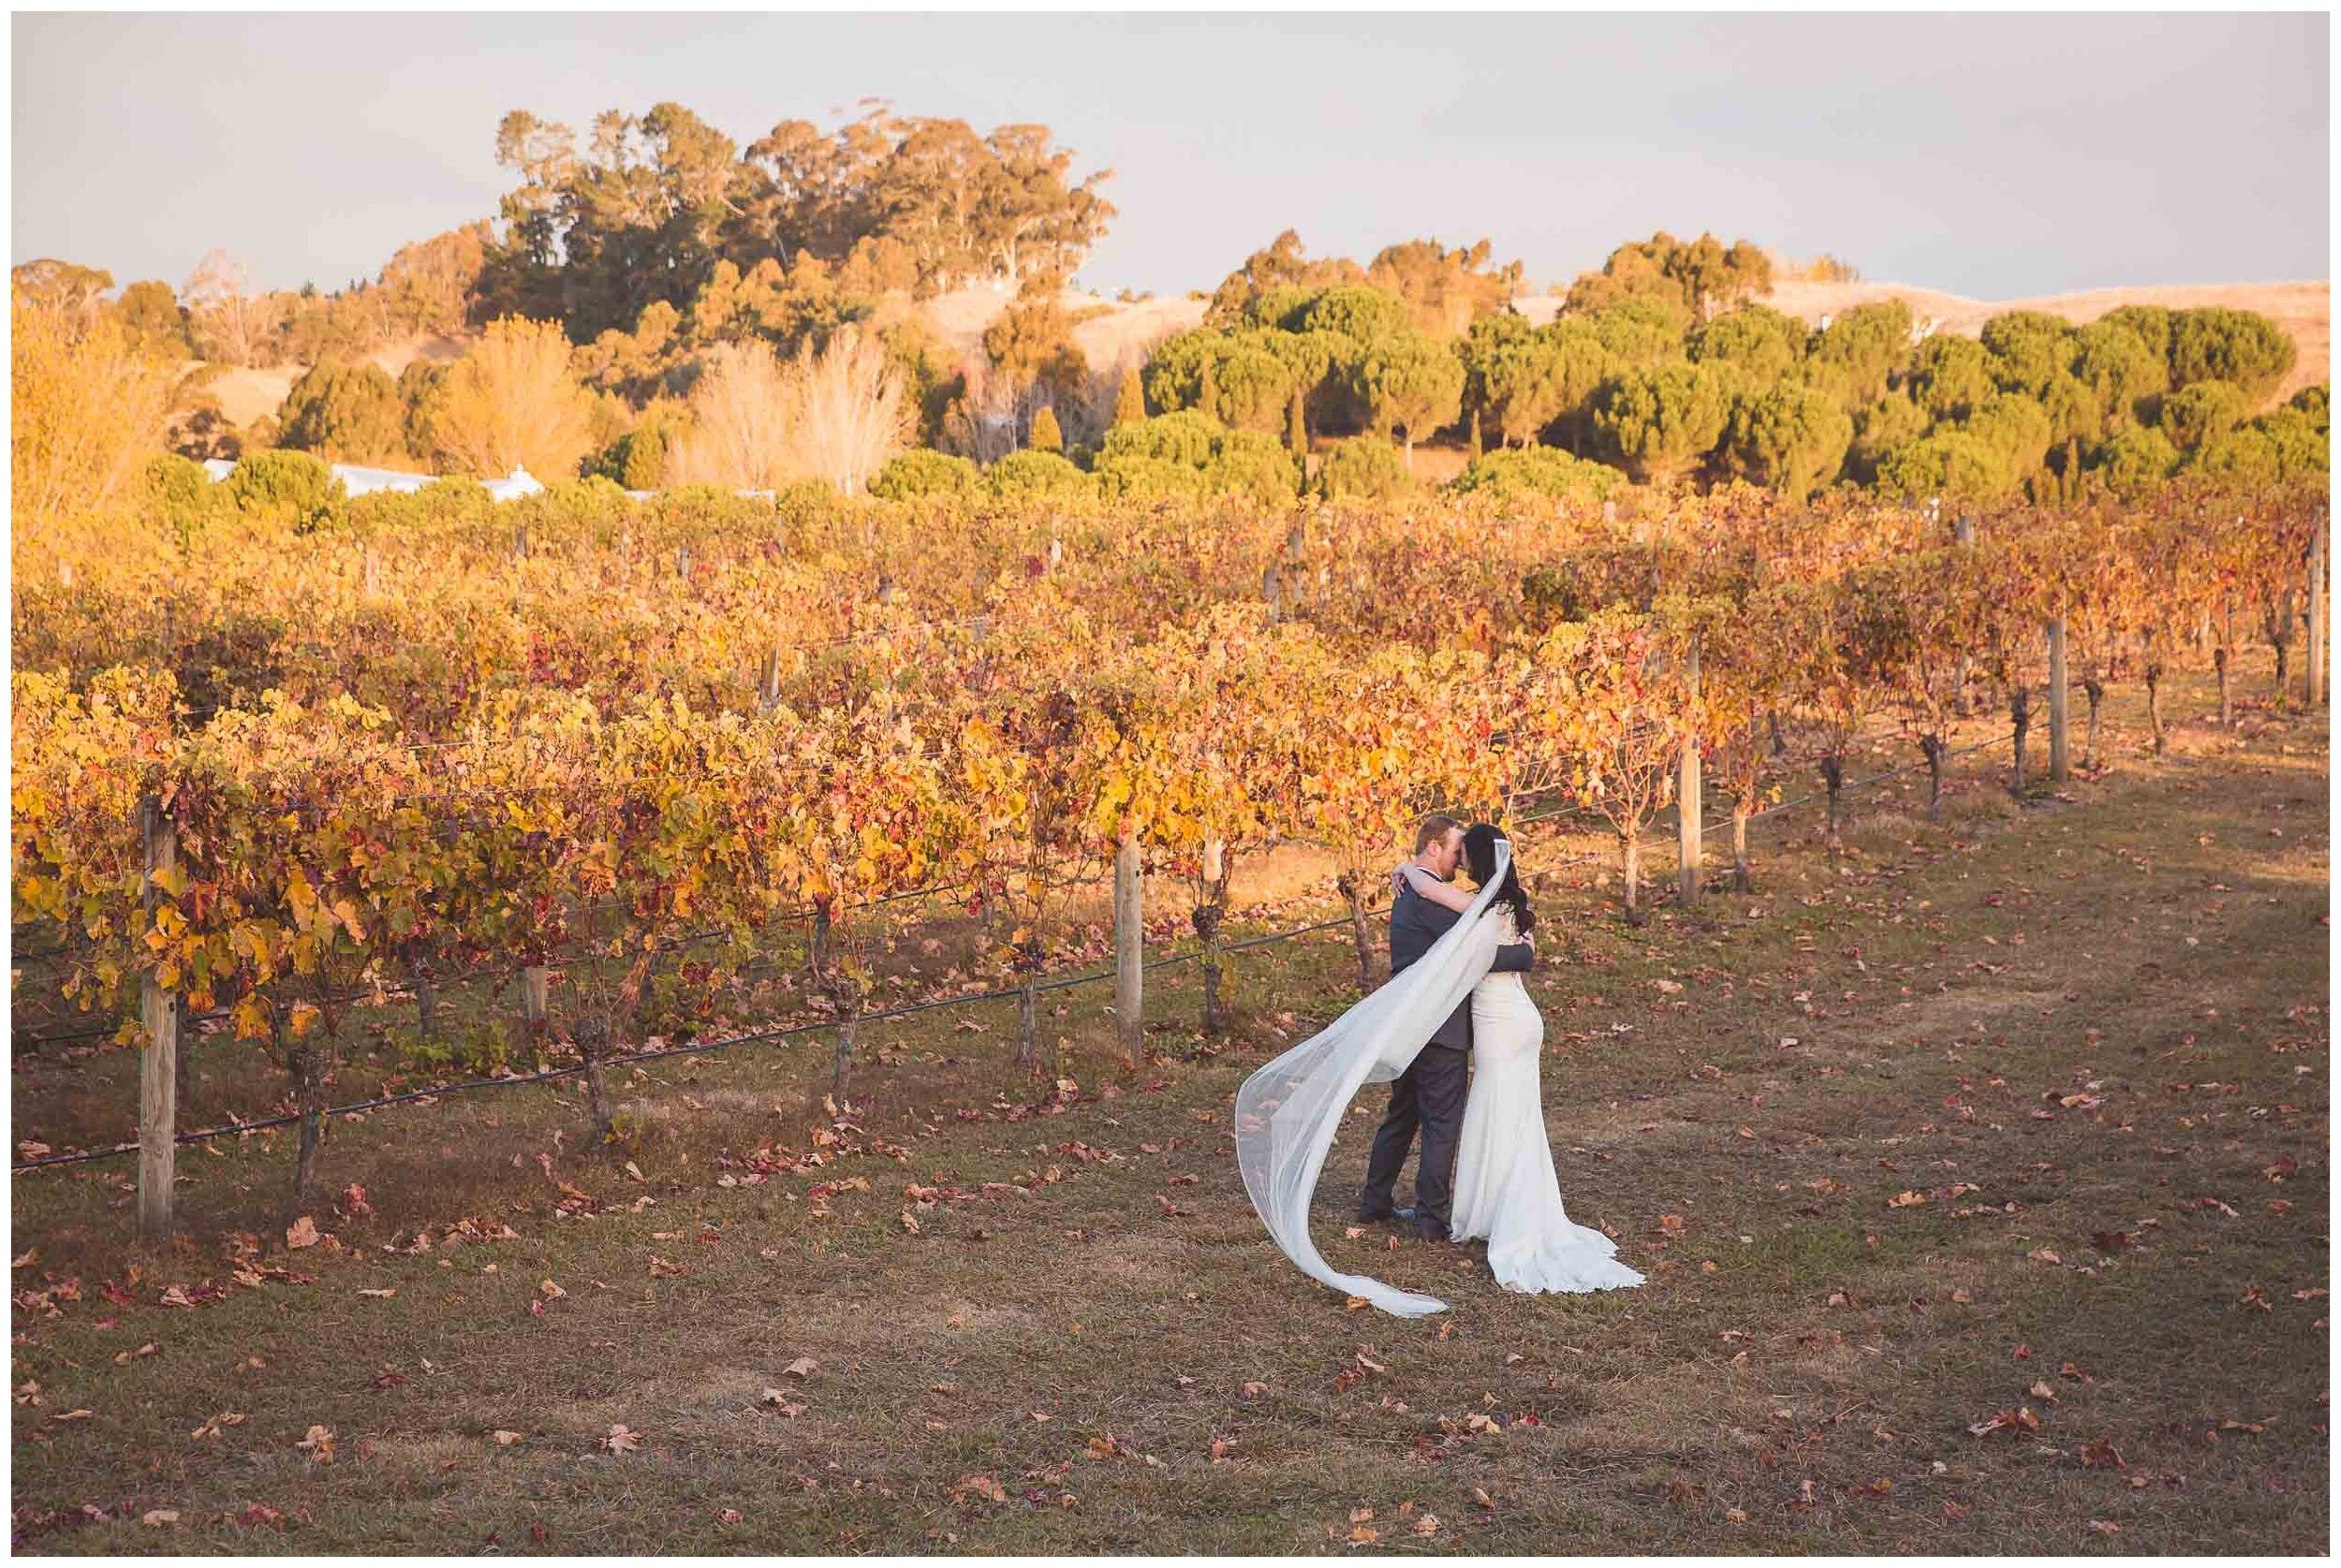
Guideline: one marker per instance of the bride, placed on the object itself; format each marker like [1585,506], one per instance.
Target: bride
[1506,1189]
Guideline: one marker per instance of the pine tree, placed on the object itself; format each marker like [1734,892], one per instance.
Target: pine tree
[1129,405]
[1474,433]
[1208,398]
[645,458]
[1046,436]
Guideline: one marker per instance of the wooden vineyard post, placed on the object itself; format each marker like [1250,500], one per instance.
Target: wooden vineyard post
[1690,827]
[158,1077]
[520,541]
[2057,700]
[373,572]
[1130,947]
[2317,614]
[534,980]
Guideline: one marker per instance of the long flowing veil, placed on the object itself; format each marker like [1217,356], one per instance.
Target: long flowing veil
[1287,1112]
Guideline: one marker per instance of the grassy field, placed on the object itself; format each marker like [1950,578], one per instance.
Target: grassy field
[2021,1115]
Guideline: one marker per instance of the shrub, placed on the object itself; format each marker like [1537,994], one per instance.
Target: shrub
[1188,438]
[1138,476]
[1664,422]
[1254,464]
[1510,475]
[182,496]
[1038,475]
[292,487]
[1362,468]
[923,471]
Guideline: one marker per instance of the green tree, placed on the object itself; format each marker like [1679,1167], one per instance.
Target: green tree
[1411,385]
[1662,422]
[1855,356]
[2121,366]
[151,316]
[2201,412]
[1950,376]
[2016,429]
[1879,427]
[1764,345]
[1248,462]
[1703,276]
[2243,348]
[1366,317]
[1362,468]
[2284,444]
[2028,349]
[1253,388]
[1129,403]
[344,414]
[1789,438]
[2133,461]
[1046,436]
[1640,331]
[1951,464]
[2149,324]
[645,463]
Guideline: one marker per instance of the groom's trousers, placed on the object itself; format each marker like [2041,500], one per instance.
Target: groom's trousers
[1427,1098]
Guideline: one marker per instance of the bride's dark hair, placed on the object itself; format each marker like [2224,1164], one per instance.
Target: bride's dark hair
[1479,840]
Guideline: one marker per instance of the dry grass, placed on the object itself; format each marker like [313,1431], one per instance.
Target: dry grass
[2100,1012]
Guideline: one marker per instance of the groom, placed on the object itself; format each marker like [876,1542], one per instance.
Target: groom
[1428,1095]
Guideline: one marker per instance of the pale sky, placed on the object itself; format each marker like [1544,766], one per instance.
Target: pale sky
[1995,157]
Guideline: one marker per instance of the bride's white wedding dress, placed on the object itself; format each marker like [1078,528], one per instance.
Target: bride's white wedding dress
[1506,1189]
[1287,1113]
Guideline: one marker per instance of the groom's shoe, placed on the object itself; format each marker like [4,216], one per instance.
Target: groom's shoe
[1405,1216]
[1374,1216]
[1430,1227]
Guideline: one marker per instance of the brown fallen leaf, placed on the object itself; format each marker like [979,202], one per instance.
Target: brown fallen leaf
[506,1439]
[379,1294]
[1481,1498]
[157,1518]
[2105,1527]
[1426,1525]
[302,1233]
[622,1438]
[319,1443]
[802,1367]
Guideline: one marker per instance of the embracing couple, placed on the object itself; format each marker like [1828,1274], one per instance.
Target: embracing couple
[1457,1037]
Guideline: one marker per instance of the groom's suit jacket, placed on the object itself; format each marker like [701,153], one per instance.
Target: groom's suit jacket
[1414,924]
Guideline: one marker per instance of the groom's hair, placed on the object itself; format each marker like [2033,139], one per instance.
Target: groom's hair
[1435,828]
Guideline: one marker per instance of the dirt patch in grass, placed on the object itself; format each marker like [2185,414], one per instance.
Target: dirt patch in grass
[2019,1116]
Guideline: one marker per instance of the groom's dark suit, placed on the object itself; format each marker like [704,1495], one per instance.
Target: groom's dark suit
[1430,1093]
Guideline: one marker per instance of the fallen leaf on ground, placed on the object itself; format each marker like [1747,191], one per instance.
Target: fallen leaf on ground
[621,1438]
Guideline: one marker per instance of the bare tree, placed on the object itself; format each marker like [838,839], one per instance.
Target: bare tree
[759,422]
[231,323]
